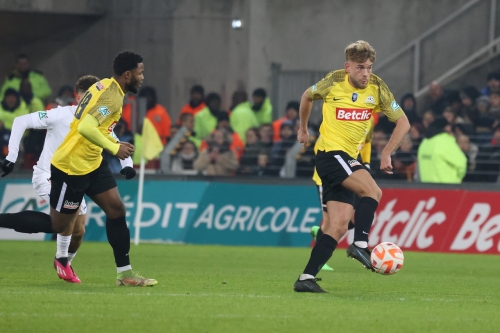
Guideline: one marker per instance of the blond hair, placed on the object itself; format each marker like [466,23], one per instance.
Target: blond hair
[360,51]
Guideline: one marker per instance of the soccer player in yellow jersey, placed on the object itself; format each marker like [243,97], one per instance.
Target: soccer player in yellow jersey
[350,98]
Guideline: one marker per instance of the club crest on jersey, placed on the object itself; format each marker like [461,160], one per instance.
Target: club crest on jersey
[354,97]
[104,111]
[353,114]
[394,105]
[370,100]
[353,163]
[313,88]
[99,86]
[43,115]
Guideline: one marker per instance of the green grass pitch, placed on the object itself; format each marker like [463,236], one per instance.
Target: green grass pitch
[244,289]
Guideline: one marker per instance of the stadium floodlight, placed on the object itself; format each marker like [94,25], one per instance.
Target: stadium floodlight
[237,24]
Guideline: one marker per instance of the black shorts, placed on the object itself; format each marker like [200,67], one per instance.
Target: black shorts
[333,168]
[66,192]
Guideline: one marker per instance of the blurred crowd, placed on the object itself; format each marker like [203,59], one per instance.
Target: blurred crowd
[245,140]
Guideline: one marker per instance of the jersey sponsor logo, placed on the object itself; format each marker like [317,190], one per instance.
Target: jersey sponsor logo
[370,100]
[353,163]
[313,88]
[354,97]
[354,114]
[112,127]
[394,105]
[99,86]
[104,111]
[43,115]
[71,205]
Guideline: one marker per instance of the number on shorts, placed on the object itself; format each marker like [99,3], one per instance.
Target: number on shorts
[83,104]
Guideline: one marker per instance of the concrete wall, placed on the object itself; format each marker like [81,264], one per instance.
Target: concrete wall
[186,42]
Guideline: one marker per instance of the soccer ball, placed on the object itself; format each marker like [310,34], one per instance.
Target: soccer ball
[387,258]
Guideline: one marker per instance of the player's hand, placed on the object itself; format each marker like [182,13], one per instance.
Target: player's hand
[126,149]
[303,136]
[7,167]
[128,172]
[385,163]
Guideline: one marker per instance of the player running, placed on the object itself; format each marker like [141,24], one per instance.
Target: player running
[77,167]
[350,98]
[57,122]
[316,231]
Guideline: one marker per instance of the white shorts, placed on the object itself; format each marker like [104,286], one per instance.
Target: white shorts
[41,184]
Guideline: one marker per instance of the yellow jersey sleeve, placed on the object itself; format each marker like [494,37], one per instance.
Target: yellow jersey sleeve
[321,89]
[106,105]
[388,104]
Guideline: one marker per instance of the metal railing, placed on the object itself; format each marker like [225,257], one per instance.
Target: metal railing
[415,45]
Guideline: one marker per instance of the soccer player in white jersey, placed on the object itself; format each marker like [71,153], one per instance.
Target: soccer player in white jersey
[57,123]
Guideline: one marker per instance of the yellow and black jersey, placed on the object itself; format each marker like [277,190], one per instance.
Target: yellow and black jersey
[347,111]
[76,155]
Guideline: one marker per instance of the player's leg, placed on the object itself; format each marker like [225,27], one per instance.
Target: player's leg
[104,193]
[78,231]
[66,195]
[361,183]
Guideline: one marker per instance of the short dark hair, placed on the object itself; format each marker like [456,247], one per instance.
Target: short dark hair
[198,89]
[493,75]
[211,97]
[293,105]
[259,92]
[126,61]
[21,56]
[85,82]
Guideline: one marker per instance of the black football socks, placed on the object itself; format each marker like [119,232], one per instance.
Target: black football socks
[27,221]
[320,254]
[364,218]
[119,239]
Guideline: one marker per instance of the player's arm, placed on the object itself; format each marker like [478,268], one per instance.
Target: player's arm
[394,113]
[37,120]
[315,92]
[88,128]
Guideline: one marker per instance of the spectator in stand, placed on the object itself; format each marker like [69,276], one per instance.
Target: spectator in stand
[495,104]
[253,147]
[205,121]
[409,105]
[470,150]
[262,168]
[427,119]
[488,159]
[455,103]
[280,148]
[242,115]
[438,98]
[405,160]
[416,135]
[384,123]
[65,97]
[237,145]
[451,116]
[493,84]
[187,121]
[469,95]
[156,113]
[262,106]
[196,102]
[218,159]
[379,141]
[33,103]
[266,135]
[11,107]
[41,88]
[184,160]
[440,159]
[291,114]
